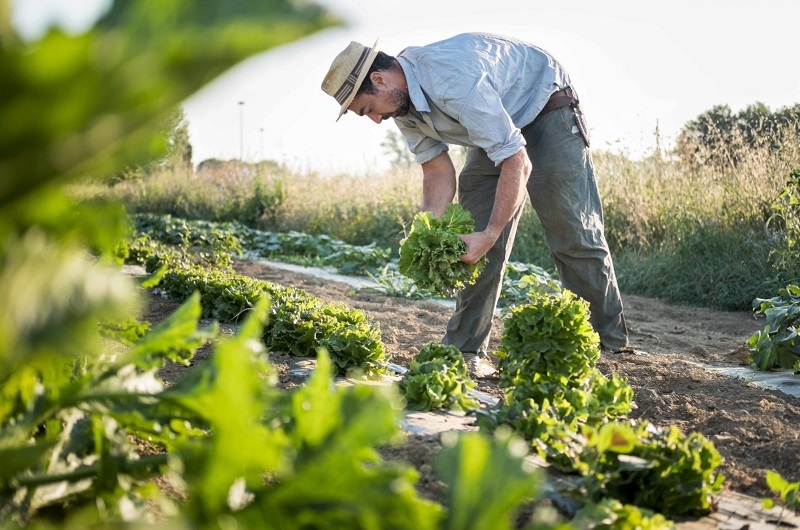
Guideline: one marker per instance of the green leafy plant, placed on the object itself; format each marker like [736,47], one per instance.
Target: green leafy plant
[550,336]
[488,480]
[522,279]
[391,283]
[357,260]
[430,253]
[610,514]
[329,473]
[778,344]
[70,441]
[437,378]
[548,374]
[785,219]
[650,467]
[789,493]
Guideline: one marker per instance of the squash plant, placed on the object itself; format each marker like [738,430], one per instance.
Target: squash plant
[778,344]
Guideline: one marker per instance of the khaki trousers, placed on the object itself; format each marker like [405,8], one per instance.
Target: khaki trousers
[563,191]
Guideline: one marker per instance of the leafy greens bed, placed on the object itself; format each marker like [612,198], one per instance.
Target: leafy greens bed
[299,323]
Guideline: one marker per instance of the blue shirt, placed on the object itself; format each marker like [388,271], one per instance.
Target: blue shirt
[475,90]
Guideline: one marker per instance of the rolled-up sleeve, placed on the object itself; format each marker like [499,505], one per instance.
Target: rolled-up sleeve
[488,123]
[424,147]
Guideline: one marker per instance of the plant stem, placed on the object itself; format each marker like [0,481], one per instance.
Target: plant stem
[144,462]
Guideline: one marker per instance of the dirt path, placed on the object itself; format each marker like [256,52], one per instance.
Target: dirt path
[755,429]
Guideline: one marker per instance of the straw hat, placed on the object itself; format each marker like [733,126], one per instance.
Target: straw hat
[347,72]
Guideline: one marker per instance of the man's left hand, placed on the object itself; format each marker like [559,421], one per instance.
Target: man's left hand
[478,244]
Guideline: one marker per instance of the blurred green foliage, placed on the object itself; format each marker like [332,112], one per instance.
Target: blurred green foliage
[90,105]
[93,104]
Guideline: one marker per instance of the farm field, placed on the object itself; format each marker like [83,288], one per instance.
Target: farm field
[755,429]
[109,419]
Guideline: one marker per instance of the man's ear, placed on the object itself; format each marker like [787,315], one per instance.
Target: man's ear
[378,78]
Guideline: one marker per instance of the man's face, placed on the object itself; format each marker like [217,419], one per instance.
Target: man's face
[385,103]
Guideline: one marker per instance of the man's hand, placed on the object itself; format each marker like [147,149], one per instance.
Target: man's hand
[478,244]
[510,193]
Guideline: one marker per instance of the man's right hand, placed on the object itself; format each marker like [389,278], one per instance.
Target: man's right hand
[478,244]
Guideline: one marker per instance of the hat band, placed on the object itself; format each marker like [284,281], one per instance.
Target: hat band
[349,84]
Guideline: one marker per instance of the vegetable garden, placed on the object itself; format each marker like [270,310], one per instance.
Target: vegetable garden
[98,429]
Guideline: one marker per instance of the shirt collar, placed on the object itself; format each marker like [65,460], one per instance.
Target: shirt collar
[415,93]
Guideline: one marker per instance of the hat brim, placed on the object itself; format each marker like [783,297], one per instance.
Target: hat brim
[360,79]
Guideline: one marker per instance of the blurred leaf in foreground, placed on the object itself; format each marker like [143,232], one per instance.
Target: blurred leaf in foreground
[91,104]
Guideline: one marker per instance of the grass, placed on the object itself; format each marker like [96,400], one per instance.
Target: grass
[358,210]
[686,226]
[691,227]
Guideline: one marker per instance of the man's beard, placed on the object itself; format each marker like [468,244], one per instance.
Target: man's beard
[401,101]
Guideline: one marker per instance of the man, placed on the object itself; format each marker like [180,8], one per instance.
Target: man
[512,105]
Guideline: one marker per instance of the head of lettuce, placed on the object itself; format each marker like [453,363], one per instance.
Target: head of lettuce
[429,256]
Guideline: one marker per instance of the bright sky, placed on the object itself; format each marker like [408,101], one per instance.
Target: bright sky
[637,65]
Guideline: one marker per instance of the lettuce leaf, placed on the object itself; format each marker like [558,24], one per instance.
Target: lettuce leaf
[429,256]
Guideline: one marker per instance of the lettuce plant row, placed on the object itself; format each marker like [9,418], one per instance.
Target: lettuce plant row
[575,417]
[299,324]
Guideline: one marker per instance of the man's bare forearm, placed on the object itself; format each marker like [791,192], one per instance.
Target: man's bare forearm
[438,184]
[510,193]
[511,189]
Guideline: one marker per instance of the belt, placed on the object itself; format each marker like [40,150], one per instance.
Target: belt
[561,98]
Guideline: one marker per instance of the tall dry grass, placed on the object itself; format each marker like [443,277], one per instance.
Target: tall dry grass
[659,201]
[692,226]
[356,209]
[689,225]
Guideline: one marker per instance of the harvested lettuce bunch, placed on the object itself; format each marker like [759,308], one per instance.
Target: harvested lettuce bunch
[437,378]
[429,255]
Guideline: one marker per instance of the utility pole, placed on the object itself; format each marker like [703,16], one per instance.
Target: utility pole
[261,130]
[241,131]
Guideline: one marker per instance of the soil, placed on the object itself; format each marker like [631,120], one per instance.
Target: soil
[754,429]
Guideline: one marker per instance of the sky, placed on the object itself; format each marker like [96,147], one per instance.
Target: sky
[639,66]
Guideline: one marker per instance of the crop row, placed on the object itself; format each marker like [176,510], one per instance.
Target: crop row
[318,250]
[575,417]
[299,323]
[777,346]
[554,397]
